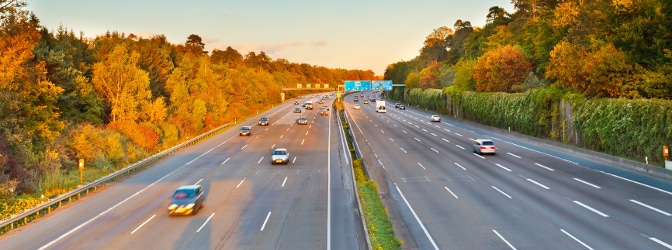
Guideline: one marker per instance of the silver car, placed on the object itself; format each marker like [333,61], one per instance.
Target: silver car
[484,146]
[280,156]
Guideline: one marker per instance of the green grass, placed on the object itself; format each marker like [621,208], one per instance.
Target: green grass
[381,232]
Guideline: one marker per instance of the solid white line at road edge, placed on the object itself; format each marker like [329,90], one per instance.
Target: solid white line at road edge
[111,208]
[429,237]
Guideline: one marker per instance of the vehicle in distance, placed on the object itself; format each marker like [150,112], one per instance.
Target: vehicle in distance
[302,121]
[263,121]
[245,130]
[356,99]
[436,118]
[357,107]
[297,110]
[296,102]
[402,107]
[380,106]
[186,200]
[396,105]
[326,107]
[280,156]
[366,101]
[484,146]
[324,112]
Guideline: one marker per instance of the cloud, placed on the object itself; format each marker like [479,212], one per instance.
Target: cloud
[209,40]
[319,43]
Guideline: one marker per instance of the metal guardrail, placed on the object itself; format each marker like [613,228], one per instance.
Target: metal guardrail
[46,207]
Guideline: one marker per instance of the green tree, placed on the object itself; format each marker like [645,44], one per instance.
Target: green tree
[464,75]
[455,41]
[434,48]
[195,45]
[68,60]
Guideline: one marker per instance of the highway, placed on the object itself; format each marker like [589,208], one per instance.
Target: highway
[527,196]
[250,204]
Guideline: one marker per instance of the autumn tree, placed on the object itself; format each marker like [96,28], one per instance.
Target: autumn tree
[429,76]
[596,71]
[230,57]
[123,85]
[412,80]
[499,69]
[29,117]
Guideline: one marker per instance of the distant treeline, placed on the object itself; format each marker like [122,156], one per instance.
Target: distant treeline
[115,98]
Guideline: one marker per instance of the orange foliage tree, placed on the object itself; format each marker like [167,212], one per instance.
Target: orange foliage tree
[499,69]
[596,71]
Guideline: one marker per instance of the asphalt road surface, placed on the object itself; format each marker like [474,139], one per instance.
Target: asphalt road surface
[527,196]
[250,203]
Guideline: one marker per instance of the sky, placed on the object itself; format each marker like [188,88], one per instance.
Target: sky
[346,34]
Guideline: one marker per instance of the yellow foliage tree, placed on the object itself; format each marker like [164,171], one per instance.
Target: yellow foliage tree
[120,81]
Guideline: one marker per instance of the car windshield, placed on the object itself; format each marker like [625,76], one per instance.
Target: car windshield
[280,152]
[182,194]
[488,143]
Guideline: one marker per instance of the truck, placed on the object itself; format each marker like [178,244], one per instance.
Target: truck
[380,106]
[309,105]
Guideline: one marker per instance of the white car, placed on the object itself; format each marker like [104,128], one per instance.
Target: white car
[436,118]
[280,156]
[484,146]
[357,107]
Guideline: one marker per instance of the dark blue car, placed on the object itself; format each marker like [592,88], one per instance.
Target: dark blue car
[186,200]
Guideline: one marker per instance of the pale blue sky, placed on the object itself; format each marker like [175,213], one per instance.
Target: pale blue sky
[348,34]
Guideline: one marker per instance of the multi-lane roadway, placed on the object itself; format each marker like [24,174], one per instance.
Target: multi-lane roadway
[250,204]
[527,196]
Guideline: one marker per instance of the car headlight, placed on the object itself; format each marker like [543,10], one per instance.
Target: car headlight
[172,207]
[190,206]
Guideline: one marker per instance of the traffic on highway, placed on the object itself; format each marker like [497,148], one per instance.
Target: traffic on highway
[450,184]
[224,193]
[283,180]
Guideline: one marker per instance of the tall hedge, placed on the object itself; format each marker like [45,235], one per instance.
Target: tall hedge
[633,129]
[533,113]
